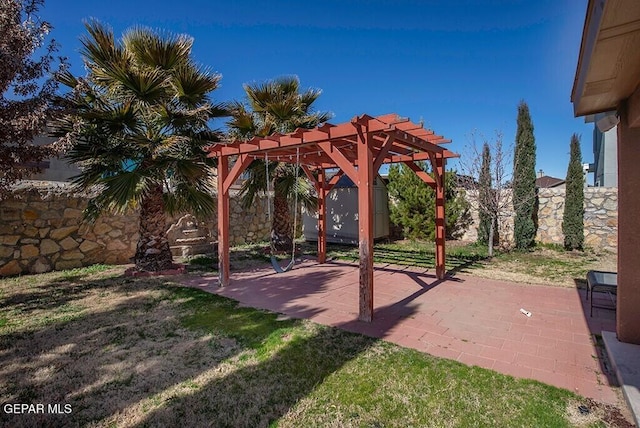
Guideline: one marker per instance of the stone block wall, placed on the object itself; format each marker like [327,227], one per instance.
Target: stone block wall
[41,229]
[505,222]
[600,218]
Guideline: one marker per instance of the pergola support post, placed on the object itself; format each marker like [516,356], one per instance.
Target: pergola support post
[322,216]
[440,216]
[365,225]
[223,221]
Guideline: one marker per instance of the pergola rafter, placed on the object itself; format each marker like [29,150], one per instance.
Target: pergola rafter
[357,149]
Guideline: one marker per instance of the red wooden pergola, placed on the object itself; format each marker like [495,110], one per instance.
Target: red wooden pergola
[357,148]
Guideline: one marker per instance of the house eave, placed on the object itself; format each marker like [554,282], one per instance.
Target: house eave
[609,57]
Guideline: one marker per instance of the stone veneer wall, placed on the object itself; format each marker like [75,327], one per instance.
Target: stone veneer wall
[505,222]
[600,218]
[41,229]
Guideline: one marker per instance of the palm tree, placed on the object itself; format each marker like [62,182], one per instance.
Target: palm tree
[136,125]
[276,106]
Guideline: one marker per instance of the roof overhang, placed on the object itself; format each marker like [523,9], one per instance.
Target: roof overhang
[609,61]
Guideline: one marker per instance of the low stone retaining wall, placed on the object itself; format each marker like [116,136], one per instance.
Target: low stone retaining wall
[41,229]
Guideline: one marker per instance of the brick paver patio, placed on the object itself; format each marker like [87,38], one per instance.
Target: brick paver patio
[473,320]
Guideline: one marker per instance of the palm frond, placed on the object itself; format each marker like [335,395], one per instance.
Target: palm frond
[242,124]
[204,137]
[99,48]
[219,110]
[306,193]
[256,182]
[147,86]
[309,97]
[189,199]
[192,84]
[125,187]
[66,78]
[189,171]
[259,95]
[117,194]
[158,50]
[287,85]
[185,119]
[88,178]
[284,110]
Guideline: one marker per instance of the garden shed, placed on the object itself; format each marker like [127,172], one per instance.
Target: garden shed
[342,213]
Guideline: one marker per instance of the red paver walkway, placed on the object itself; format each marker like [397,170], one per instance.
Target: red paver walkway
[476,321]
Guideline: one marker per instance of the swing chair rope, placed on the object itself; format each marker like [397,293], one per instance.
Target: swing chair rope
[274,261]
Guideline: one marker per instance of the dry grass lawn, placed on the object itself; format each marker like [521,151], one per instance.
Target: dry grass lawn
[547,266]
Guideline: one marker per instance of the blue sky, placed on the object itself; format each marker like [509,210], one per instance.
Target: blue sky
[460,65]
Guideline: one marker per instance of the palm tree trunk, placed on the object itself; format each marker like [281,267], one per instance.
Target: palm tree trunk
[281,239]
[153,253]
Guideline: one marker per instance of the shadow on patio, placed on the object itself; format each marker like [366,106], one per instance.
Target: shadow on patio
[473,320]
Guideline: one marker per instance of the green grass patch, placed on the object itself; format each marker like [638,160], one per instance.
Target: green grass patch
[251,327]
[391,386]
[80,273]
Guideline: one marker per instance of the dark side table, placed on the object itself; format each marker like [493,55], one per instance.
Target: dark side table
[603,282]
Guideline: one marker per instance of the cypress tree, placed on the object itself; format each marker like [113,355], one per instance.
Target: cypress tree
[573,216]
[484,195]
[524,180]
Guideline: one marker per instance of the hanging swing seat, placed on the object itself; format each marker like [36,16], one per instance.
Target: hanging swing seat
[279,269]
[276,262]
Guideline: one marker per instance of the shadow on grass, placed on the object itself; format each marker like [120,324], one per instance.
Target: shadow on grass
[129,361]
[456,263]
[128,358]
[259,394]
[66,287]
[105,359]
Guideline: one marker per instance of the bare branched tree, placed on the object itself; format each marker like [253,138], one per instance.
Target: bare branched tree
[27,86]
[492,195]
